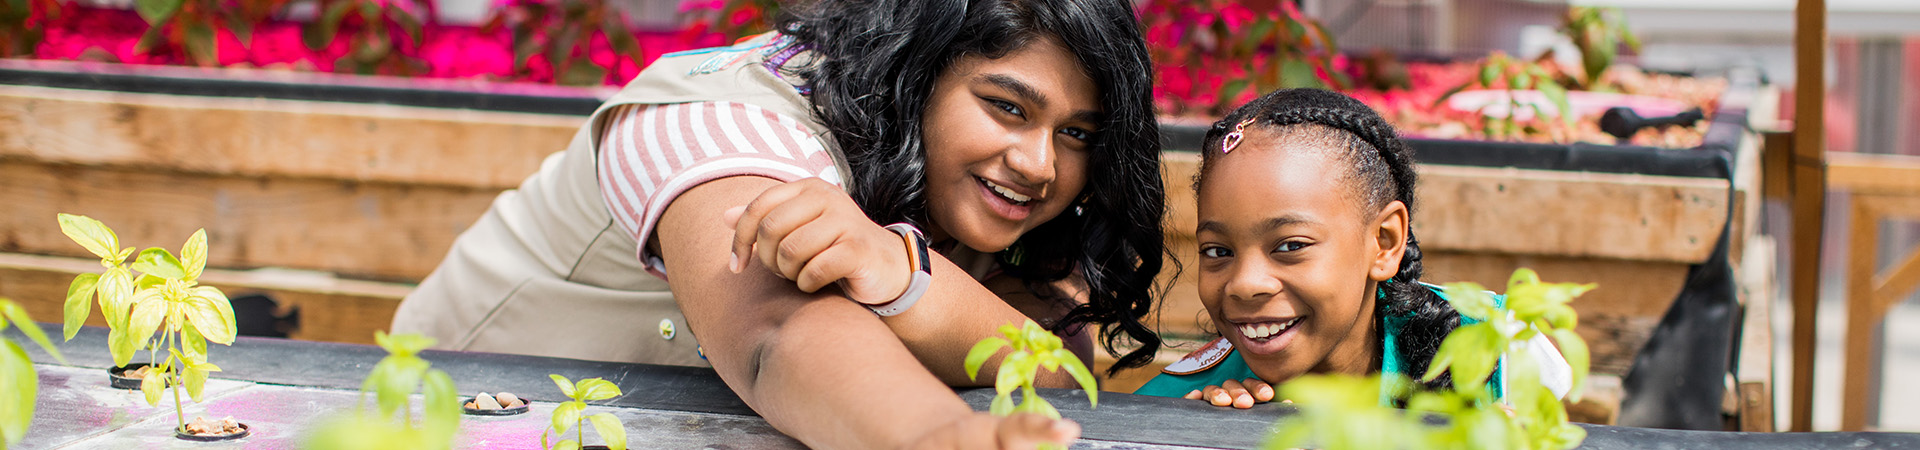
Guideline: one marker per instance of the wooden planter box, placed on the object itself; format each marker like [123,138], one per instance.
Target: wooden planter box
[375,187]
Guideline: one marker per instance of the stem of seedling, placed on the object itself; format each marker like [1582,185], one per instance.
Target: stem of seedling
[175,380]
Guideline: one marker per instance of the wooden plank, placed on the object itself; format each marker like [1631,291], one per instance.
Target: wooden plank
[1756,365]
[1809,195]
[1538,212]
[367,230]
[278,138]
[331,310]
[1866,173]
[1862,253]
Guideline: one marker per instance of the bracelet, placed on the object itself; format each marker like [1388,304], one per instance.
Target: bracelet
[922,271]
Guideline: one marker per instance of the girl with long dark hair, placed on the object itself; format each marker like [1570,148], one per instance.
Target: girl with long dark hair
[838,210]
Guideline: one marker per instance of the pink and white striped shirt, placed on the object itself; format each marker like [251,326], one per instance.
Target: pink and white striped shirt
[650,154]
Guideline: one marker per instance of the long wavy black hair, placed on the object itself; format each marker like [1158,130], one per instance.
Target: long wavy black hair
[1381,168]
[876,66]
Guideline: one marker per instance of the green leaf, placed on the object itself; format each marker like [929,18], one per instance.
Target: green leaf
[195,380]
[89,233]
[1488,73]
[408,344]
[18,380]
[193,255]
[566,386]
[1002,404]
[567,415]
[156,11]
[154,384]
[610,430]
[1520,81]
[120,346]
[1295,73]
[566,445]
[398,377]
[1011,374]
[193,344]
[977,357]
[22,386]
[1475,352]
[1080,374]
[159,262]
[1575,350]
[407,22]
[596,389]
[200,45]
[583,73]
[242,30]
[149,311]
[1470,299]
[1558,95]
[1561,317]
[27,326]
[442,409]
[115,292]
[1253,35]
[78,307]
[219,302]
[320,33]
[205,318]
[1230,92]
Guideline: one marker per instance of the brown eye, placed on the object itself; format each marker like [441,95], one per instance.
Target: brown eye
[1215,252]
[1289,247]
[1006,106]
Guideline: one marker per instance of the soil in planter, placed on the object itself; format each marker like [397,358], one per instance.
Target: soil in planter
[128,377]
[501,404]
[201,429]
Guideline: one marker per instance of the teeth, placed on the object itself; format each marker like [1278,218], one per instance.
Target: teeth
[1014,197]
[1265,330]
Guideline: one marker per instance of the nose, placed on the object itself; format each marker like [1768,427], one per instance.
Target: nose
[1250,280]
[1030,156]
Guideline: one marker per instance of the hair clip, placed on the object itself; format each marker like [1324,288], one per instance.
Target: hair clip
[1233,138]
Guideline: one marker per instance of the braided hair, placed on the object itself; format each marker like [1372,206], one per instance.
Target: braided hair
[1381,168]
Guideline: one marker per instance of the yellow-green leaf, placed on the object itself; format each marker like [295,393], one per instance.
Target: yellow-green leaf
[79,294]
[1470,299]
[595,389]
[206,318]
[27,326]
[442,408]
[154,384]
[398,344]
[401,375]
[981,351]
[1002,404]
[195,381]
[193,255]
[610,430]
[1575,350]
[115,292]
[193,345]
[218,300]
[22,387]
[1522,276]
[92,234]
[566,386]
[120,346]
[1080,374]
[149,310]
[566,416]
[566,445]
[159,262]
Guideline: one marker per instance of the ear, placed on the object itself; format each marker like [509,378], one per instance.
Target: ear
[1390,231]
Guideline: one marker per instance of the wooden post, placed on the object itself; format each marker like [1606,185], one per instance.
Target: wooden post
[1862,254]
[1809,196]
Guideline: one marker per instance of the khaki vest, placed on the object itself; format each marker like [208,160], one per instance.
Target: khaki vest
[546,272]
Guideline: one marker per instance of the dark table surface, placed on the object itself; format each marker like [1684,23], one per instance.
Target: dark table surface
[282,388]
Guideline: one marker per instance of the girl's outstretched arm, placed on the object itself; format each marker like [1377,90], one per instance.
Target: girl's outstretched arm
[819,367]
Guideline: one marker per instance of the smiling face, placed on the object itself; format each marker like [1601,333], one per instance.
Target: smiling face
[1007,142]
[1290,254]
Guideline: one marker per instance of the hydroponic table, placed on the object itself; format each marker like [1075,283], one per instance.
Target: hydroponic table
[283,388]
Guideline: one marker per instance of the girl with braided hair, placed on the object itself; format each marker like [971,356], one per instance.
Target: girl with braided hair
[1308,263]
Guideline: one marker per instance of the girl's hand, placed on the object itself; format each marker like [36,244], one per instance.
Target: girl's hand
[811,232]
[982,431]
[1239,394]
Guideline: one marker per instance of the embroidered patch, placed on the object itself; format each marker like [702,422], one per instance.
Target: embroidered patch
[727,57]
[1200,360]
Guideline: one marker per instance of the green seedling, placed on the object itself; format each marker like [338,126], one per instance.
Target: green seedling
[393,381]
[568,415]
[1344,412]
[1598,33]
[17,378]
[165,298]
[1033,348]
[1499,71]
